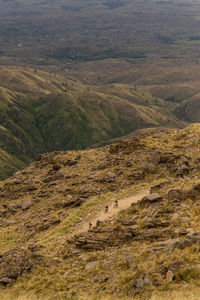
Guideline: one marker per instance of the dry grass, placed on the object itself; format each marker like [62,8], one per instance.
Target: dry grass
[186,294]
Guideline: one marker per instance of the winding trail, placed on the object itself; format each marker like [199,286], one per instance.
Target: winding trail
[123,203]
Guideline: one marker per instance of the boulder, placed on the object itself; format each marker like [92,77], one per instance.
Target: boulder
[14,262]
[176,195]
[194,192]
[109,177]
[136,175]
[91,265]
[182,170]
[70,162]
[170,242]
[26,204]
[152,199]
[138,285]
[56,167]
[157,223]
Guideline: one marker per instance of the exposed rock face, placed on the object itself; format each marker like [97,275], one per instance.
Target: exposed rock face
[159,157]
[125,146]
[14,262]
[151,199]
[177,195]
[101,238]
[194,192]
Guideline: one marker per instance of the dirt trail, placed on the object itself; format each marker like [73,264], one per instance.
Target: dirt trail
[122,204]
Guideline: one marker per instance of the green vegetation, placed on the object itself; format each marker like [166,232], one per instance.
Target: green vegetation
[42,112]
[48,32]
[99,177]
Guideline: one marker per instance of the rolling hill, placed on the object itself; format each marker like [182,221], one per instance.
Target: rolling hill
[42,112]
[189,109]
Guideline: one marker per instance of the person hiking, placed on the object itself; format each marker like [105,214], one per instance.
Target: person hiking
[90,225]
[106,208]
[116,204]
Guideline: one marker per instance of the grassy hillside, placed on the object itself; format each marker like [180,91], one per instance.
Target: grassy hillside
[190,109]
[47,249]
[41,112]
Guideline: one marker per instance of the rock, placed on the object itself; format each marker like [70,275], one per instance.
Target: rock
[151,199]
[56,167]
[163,212]
[98,222]
[91,265]
[70,162]
[125,147]
[169,276]
[157,223]
[48,224]
[138,285]
[170,242]
[73,202]
[127,223]
[11,222]
[176,195]
[14,262]
[5,281]
[158,187]
[147,281]
[34,247]
[99,238]
[194,192]
[136,175]
[162,157]
[26,204]
[110,177]
[184,160]
[182,170]
[57,176]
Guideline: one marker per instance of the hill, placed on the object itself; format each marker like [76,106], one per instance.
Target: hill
[42,112]
[47,248]
[190,109]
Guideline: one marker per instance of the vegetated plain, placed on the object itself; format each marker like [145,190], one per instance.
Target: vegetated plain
[48,31]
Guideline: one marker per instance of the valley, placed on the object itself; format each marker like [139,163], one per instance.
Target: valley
[99,101]
[44,112]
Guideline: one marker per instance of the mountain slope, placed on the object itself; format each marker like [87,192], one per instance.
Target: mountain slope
[47,250]
[189,109]
[41,112]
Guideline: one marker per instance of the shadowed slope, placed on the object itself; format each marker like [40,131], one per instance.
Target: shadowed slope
[41,112]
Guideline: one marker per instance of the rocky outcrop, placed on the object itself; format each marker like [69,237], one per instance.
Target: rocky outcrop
[151,199]
[99,239]
[14,262]
[176,195]
[125,147]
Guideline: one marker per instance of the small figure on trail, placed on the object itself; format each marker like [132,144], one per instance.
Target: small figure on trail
[90,225]
[116,204]
[106,208]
